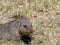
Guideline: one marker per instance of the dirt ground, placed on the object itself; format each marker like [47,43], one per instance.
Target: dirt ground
[45,18]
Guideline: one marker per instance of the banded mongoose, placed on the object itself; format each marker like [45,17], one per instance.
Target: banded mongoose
[15,28]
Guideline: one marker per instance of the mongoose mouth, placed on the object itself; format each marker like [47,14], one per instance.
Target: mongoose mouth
[26,32]
[26,39]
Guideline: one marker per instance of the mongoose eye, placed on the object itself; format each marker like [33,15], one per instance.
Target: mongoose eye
[25,26]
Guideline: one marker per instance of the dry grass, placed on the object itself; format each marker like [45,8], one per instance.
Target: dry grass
[45,17]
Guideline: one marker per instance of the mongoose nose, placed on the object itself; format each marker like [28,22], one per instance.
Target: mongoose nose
[31,31]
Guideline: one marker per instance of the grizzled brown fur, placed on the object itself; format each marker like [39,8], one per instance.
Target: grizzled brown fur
[15,28]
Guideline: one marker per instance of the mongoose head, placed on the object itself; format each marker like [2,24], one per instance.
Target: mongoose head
[24,26]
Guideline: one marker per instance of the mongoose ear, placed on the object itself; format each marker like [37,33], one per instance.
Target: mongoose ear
[18,24]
